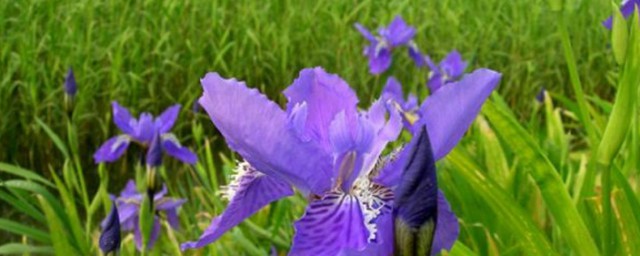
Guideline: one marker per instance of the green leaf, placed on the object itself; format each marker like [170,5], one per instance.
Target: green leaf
[24,206]
[553,190]
[15,248]
[514,218]
[56,140]
[627,225]
[24,173]
[72,214]
[619,35]
[21,229]
[57,230]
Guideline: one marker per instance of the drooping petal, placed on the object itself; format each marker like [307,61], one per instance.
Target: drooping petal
[165,121]
[166,204]
[383,246]
[248,193]
[172,146]
[112,149]
[153,237]
[447,227]
[329,226]
[325,95]
[449,112]
[398,32]
[365,32]
[257,129]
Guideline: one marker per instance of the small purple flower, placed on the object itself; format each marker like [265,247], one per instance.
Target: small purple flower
[449,70]
[142,131]
[110,236]
[397,34]
[540,95]
[394,97]
[329,150]
[70,86]
[129,204]
[627,8]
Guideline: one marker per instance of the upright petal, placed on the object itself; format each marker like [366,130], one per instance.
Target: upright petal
[449,112]
[70,86]
[172,146]
[329,226]
[453,65]
[257,129]
[112,149]
[447,228]
[398,32]
[146,128]
[365,32]
[393,90]
[165,121]
[123,119]
[325,95]
[248,193]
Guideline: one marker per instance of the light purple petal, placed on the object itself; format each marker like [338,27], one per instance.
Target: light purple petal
[167,119]
[172,146]
[329,226]
[325,95]
[383,246]
[155,234]
[252,191]
[123,119]
[128,215]
[393,90]
[398,32]
[365,32]
[146,129]
[447,228]
[166,204]
[130,190]
[436,81]
[257,129]
[158,195]
[112,149]
[449,111]
[453,65]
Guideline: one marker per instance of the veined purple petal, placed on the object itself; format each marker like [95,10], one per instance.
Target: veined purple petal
[453,64]
[248,193]
[172,146]
[257,129]
[112,149]
[123,119]
[384,243]
[398,32]
[325,95]
[365,32]
[447,228]
[449,111]
[329,226]
[155,234]
[167,119]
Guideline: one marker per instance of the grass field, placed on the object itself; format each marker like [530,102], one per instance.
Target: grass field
[508,181]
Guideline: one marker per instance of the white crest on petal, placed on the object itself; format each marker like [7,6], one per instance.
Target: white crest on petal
[242,175]
[375,200]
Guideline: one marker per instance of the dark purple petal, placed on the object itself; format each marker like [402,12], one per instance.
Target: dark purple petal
[540,95]
[167,119]
[123,119]
[365,32]
[453,65]
[393,90]
[110,236]
[416,55]
[166,204]
[249,193]
[325,95]
[70,86]
[154,153]
[257,129]
[449,111]
[436,81]
[432,65]
[112,149]
[398,32]
[447,228]
[172,218]
[384,243]
[153,237]
[329,226]
[172,146]
[379,59]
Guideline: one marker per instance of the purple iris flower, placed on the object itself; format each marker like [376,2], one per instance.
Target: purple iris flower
[110,236]
[541,94]
[450,69]
[626,9]
[397,34]
[70,86]
[392,94]
[129,211]
[143,130]
[329,150]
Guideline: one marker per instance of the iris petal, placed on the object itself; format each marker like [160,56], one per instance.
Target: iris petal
[449,111]
[123,119]
[112,149]
[398,32]
[447,228]
[257,129]
[167,119]
[252,191]
[172,146]
[153,237]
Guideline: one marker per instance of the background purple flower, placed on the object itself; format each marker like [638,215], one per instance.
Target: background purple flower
[110,236]
[70,86]
[142,131]
[128,204]
[450,69]
[626,9]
